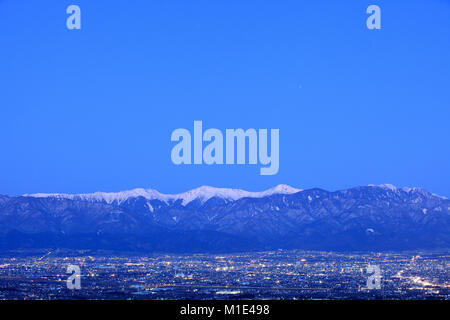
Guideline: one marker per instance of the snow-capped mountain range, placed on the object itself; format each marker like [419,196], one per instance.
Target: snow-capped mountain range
[203,194]
[381,217]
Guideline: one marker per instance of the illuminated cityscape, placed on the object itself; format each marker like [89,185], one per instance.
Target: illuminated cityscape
[282,274]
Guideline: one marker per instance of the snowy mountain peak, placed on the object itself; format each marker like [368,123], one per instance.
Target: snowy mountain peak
[385,186]
[205,193]
[284,189]
[407,190]
[388,186]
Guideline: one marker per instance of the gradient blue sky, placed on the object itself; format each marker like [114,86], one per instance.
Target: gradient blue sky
[90,110]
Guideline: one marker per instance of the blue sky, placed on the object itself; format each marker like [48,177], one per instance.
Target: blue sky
[93,109]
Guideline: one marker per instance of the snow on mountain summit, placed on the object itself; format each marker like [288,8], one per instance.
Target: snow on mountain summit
[203,194]
[391,187]
[108,197]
